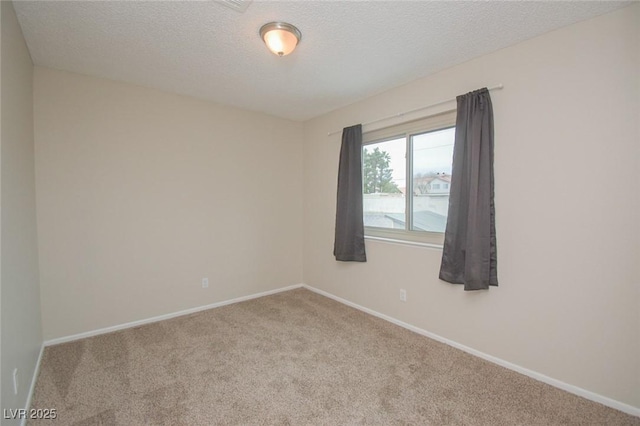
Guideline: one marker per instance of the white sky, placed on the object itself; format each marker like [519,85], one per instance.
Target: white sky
[432,152]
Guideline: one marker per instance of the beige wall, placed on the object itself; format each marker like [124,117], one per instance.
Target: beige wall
[568,242]
[21,327]
[142,193]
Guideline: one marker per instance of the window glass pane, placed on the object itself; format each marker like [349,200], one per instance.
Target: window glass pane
[432,158]
[384,182]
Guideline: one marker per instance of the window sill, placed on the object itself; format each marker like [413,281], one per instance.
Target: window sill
[404,242]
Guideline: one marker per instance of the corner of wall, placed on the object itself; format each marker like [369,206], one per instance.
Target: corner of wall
[20,318]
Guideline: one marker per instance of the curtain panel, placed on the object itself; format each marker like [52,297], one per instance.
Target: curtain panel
[349,239]
[469,255]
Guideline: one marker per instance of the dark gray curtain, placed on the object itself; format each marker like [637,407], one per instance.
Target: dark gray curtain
[469,253]
[349,241]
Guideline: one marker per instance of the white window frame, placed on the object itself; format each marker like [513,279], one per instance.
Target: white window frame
[407,130]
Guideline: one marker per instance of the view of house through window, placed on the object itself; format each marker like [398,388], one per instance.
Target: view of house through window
[406,180]
[432,157]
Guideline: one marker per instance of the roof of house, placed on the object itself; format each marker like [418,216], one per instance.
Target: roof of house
[422,220]
[429,179]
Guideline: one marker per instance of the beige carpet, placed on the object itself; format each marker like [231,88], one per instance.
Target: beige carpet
[293,358]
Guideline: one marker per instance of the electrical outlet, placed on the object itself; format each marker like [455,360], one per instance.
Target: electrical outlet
[403,295]
[15,381]
[205,283]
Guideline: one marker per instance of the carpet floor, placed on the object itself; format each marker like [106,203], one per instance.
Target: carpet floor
[293,358]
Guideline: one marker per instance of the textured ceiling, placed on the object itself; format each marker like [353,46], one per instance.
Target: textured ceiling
[349,50]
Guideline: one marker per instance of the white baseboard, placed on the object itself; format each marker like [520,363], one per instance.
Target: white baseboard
[629,409]
[165,316]
[32,387]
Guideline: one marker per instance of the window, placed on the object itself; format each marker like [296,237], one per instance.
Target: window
[406,179]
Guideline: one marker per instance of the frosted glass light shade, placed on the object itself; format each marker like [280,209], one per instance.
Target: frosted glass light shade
[281,38]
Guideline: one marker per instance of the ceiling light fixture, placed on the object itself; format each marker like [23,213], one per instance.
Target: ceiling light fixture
[281,38]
